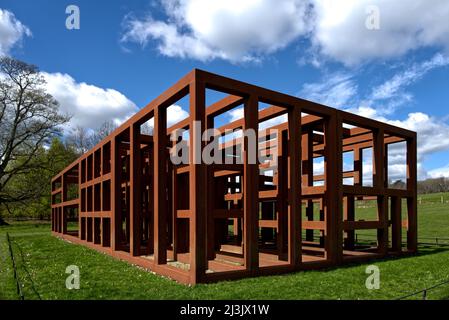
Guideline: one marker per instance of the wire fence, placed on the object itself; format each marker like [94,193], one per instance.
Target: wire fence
[421,200]
[424,292]
[14,266]
[433,200]
[423,241]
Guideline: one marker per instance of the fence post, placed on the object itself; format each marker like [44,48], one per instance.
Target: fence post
[18,284]
[424,295]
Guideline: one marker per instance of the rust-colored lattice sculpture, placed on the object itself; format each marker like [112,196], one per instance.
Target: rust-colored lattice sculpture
[299,208]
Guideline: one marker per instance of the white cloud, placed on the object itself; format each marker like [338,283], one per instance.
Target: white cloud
[318,167]
[340,90]
[11,31]
[88,104]
[364,111]
[175,113]
[172,43]
[273,122]
[395,86]
[440,172]
[387,97]
[337,91]
[236,114]
[340,32]
[397,161]
[239,31]
[432,132]
[233,30]
[432,136]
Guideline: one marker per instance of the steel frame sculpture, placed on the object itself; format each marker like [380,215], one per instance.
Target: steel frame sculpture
[201,222]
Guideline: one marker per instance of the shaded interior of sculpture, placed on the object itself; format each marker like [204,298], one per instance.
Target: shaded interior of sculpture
[296,209]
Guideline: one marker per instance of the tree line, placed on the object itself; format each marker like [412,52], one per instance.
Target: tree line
[34,146]
[433,185]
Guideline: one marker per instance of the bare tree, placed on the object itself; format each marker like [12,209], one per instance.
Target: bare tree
[83,139]
[103,131]
[433,185]
[29,118]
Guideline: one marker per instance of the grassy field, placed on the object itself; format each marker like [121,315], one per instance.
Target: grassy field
[42,259]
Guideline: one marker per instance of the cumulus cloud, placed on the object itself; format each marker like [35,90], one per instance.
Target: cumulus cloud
[88,104]
[228,29]
[12,31]
[237,30]
[432,137]
[432,132]
[340,28]
[175,113]
[337,90]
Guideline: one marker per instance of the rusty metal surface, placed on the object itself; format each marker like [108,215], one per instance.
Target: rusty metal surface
[208,222]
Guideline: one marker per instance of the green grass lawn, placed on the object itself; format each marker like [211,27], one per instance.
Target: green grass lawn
[42,259]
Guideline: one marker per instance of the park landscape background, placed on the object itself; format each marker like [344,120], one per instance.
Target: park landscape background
[41,261]
[91,77]
[33,263]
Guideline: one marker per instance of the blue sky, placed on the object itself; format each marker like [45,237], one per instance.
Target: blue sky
[127,52]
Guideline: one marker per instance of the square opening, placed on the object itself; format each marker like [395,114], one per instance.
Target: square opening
[89,229]
[97,197]
[83,170]
[83,228]
[106,194]
[83,200]
[97,163]
[107,158]
[97,230]
[397,165]
[106,232]
[89,199]
[89,168]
